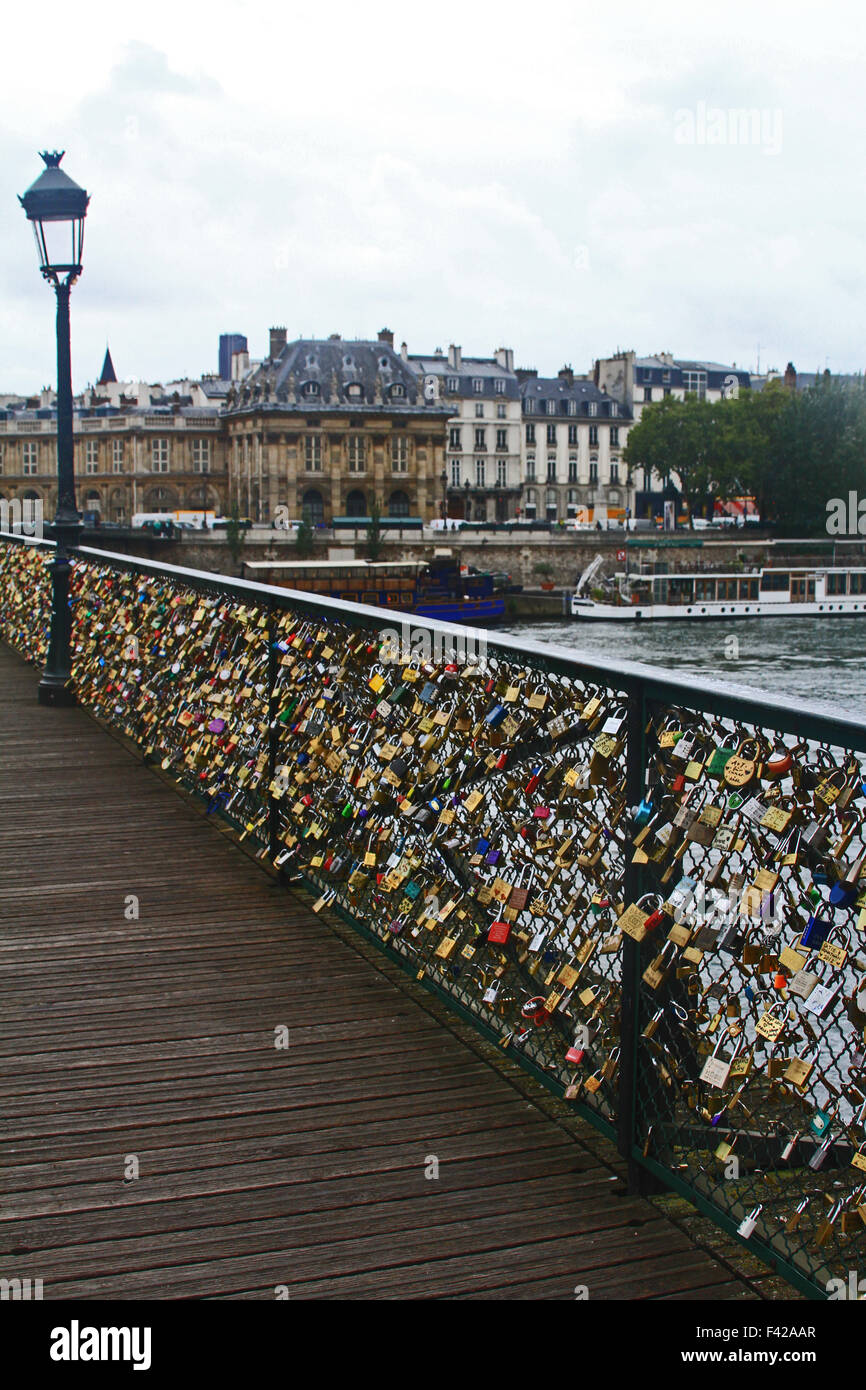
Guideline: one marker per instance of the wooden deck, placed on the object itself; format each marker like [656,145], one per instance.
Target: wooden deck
[257,1167]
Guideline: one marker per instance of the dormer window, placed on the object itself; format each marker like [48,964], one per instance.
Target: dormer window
[613,408]
[311,361]
[572,407]
[551,407]
[452,383]
[354,391]
[398,389]
[477,385]
[593,407]
[383,362]
[311,388]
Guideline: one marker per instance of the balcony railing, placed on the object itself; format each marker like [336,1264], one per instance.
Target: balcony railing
[648,890]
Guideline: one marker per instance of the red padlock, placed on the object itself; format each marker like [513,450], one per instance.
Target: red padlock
[499,933]
[654,920]
[575,1054]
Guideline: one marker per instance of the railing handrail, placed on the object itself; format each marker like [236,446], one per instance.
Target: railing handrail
[725,699]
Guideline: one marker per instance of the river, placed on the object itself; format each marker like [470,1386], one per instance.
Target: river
[822,660]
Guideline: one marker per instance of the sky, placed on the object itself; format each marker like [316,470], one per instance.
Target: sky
[564,179]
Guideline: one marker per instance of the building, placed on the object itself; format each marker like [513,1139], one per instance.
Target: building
[572,442]
[138,448]
[323,427]
[636,382]
[483,457]
[230,344]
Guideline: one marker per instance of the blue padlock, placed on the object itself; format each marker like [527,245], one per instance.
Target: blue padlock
[816,933]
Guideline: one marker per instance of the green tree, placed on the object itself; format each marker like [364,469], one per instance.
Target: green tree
[235,533]
[374,531]
[304,540]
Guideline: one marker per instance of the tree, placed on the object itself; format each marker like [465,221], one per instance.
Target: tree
[304,540]
[374,531]
[235,533]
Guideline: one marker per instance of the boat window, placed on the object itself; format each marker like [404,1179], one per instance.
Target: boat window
[748,588]
[705,590]
[858,583]
[836,583]
[775,580]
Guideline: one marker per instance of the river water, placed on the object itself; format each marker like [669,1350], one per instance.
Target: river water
[821,660]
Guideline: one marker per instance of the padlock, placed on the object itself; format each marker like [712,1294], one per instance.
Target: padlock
[800,1068]
[747,1226]
[716,1070]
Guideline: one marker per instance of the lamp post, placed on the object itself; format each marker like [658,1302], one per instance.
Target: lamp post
[443,478]
[56,208]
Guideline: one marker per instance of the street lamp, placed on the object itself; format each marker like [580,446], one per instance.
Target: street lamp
[443,478]
[56,208]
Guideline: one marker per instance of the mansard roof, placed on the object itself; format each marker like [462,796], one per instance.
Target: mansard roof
[333,374]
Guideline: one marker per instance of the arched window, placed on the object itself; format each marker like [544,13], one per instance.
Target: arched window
[310,388]
[531,504]
[398,504]
[312,507]
[551,504]
[571,503]
[356,503]
[398,389]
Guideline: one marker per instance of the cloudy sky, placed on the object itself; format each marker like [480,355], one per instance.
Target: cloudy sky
[565,179]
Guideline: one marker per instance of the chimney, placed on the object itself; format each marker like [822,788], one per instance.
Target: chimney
[278,342]
[455,357]
[566,374]
[404,351]
[386,336]
[505,358]
[791,377]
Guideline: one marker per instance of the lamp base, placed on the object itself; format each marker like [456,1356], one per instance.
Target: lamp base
[56,690]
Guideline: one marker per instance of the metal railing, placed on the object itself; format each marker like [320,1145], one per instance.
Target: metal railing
[647,889]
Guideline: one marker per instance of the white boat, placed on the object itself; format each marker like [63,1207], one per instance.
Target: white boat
[776,592]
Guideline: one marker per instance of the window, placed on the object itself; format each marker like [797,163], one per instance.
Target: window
[571,503]
[696,382]
[354,390]
[502,439]
[310,388]
[201,456]
[501,473]
[29,456]
[480,439]
[529,405]
[593,434]
[313,453]
[593,408]
[479,410]
[666,392]
[572,407]
[500,410]
[117,456]
[355,453]
[551,407]
[452,383]
[398,389]
[530,434]
[551,468]
[91,456]
[572,434]
[572,468]
[530,468]
[398,504]
[455,472]
[593,470]
[666,376]
[477,385]
[479,472]
[614,470]
[551,434]
[159,455]
[312,507]
[356,503]
[454,438]
[614,408]
[530,504]
[647,393]
[499,385]
[400,453]
[551,505]
[614,436]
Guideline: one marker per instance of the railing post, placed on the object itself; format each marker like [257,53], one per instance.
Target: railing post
[629,1080]
[273,736]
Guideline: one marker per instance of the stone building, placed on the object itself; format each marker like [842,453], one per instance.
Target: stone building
[138,448]
[324,426]
[484,475]
[573,438]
